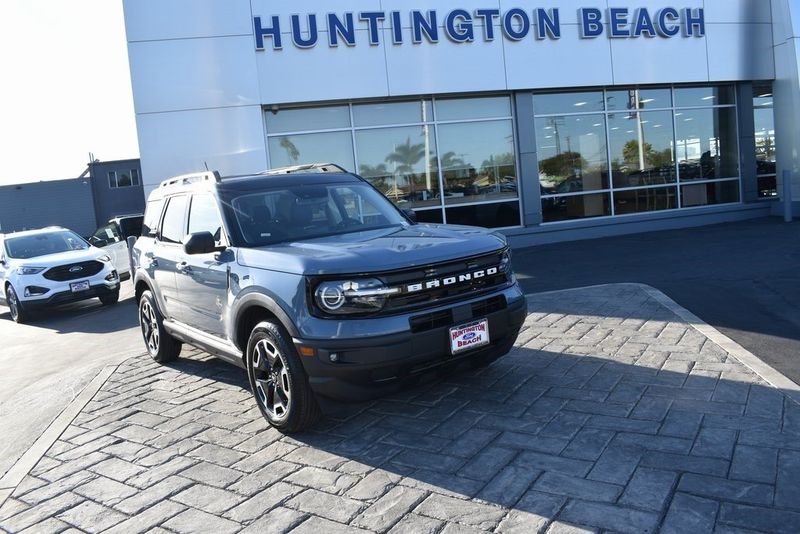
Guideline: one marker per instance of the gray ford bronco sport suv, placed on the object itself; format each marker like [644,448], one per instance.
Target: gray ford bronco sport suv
[318,286]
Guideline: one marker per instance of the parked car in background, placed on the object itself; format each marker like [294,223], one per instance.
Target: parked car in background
[113,238]
[40,269]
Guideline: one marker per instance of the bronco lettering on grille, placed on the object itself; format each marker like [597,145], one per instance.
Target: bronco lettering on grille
[452,280]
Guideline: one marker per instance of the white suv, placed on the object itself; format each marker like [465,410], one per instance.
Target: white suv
[45,268]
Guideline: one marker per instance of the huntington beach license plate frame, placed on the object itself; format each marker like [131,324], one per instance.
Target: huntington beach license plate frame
[469,336]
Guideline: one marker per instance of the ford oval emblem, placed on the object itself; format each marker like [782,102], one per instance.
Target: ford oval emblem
[469,335]
[75,269]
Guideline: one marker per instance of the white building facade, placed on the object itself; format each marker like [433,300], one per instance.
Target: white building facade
[551,119]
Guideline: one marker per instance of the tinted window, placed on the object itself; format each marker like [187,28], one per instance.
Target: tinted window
[307,212]
[172,226]
[204,217]
[151,217]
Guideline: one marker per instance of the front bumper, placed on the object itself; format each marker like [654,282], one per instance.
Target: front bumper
[369,367]
[98,289]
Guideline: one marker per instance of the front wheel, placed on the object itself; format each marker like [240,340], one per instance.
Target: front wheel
[161,346]
[110,299]
[18,313]
[278,380]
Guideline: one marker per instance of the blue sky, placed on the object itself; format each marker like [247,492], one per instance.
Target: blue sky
[66,88]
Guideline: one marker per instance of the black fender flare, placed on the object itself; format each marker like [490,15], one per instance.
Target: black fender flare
[256,297]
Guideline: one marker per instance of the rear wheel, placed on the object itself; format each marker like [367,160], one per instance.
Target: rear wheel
[278,380]
[111,298]
[161,346]
[18,312]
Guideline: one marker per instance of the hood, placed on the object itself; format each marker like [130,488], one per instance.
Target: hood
[374,251]
[62,258]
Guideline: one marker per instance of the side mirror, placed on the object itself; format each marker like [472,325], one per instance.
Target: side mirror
[200,243]
[411,215]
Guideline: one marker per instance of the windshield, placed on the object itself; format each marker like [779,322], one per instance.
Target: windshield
[33,246]
[306,212]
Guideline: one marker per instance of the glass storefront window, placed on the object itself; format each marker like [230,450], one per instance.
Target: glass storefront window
[764,116]
[572,153]
[572,207]
[392,113]
[478,161]
[633,99]
[557,103]
[400,163]
[394,145]
[708,194]
[646,199]
[707,145]
[641,148]
[307,119]
[329,147]
[495,215]
[455,109]
[720,95]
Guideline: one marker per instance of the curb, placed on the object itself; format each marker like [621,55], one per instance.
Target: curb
[774,377]
[28,461]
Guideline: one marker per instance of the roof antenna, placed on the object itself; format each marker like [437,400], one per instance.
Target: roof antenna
[206,164]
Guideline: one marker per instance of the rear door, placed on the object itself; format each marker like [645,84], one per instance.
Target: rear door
[203,278]
[168,253]
[110,239]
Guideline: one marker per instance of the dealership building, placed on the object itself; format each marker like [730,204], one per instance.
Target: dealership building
[550,120]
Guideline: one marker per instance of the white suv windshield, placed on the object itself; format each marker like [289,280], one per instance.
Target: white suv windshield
[307,212]
[33,246]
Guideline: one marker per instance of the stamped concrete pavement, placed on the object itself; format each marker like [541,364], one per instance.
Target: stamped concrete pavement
[611,414]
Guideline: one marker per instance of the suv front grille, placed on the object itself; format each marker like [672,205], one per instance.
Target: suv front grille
[73,271]
[489,264]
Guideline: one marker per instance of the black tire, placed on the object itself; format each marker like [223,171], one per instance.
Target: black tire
[110,299]
[161,346]
[278,380]
[18,312]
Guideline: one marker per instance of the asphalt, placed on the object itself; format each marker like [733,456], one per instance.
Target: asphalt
[742,278]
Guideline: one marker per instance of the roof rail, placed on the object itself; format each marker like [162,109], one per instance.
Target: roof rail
[310,168]
[186,179]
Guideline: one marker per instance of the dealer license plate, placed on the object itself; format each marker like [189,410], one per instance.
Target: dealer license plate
[79,286]
[469,336]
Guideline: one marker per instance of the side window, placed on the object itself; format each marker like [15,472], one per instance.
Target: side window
[151,217]
[172,227]
[204,217]
[105,235]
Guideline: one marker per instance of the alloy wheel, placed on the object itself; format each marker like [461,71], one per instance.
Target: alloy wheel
[272,384]
[13,305]
[150,330]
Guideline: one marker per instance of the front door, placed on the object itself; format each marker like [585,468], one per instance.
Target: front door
[203,278]
[168,255]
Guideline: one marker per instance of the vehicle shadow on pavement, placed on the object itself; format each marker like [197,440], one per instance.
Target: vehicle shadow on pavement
[85,317]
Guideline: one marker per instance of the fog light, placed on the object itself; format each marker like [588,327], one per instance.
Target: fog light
[334,357]
[35,291]
[111,277]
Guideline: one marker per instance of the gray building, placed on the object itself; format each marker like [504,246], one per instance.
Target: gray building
[104,190]
[117,188]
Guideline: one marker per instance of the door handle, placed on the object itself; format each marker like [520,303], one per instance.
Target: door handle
[184,267]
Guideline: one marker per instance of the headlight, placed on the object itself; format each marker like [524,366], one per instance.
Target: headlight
[505,261]
[352,296]
[30,270]
[105,258]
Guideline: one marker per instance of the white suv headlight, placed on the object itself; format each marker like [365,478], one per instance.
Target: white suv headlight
[30,270]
